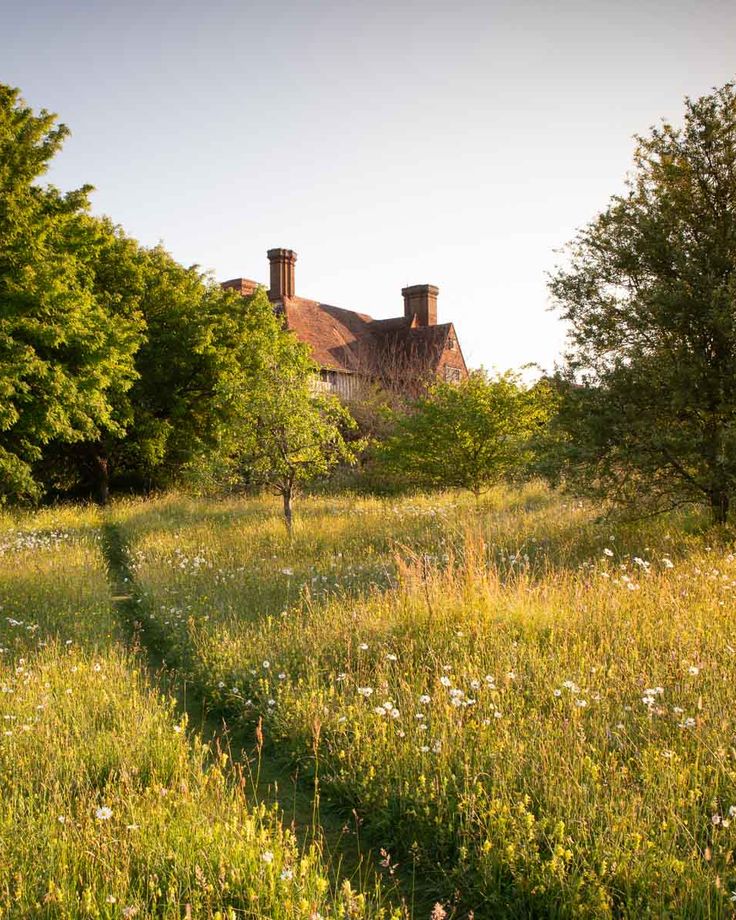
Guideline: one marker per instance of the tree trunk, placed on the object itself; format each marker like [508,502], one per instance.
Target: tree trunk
[719,504]
[286,495]
[102,479]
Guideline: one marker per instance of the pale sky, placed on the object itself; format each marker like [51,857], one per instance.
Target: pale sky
[389,143]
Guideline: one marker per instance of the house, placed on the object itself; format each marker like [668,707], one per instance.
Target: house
[353,349]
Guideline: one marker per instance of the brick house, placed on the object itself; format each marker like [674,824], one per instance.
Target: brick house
[352,349]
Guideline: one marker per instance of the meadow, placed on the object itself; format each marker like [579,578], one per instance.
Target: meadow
[514,708]
[528,711]
[109,806]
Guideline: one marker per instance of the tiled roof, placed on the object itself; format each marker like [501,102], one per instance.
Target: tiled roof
[356,343]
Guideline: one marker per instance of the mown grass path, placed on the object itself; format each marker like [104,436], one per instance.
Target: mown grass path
[269,778]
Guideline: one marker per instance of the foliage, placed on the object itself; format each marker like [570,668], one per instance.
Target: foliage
[188,353]
[292,432]
[467,435]
[63,356]
[650,415]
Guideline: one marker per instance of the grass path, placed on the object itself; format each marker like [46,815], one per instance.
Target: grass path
[269,779]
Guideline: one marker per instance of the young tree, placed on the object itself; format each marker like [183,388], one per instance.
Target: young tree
[468,435]
[649,293]
[291,432]
[62,355]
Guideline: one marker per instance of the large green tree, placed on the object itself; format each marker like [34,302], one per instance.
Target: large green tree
[467,435]
[292,431]
[190,352]
[649,293]
[63,355]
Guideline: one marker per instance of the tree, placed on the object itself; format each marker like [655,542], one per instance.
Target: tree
[291,431]
[649,293]
[189,347]
[62,355]
[468,435]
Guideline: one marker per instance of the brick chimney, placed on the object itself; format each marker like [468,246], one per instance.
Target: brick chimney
[282,273]
[420,300]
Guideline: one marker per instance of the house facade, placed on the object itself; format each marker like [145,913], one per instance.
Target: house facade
[352,349]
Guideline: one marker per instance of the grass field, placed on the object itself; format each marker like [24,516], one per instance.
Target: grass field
[109,807]
[530,712]
[516,710]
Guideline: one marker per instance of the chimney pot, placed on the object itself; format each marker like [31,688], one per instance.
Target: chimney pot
[282,273]
[420,300]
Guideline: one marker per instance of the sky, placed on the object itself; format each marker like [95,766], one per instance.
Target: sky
[389,143]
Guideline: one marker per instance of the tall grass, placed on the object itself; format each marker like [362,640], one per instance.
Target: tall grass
[109,807]
[535,708]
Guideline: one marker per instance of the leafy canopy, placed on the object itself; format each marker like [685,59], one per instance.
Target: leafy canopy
[467,435]
[649,293]
[292,431]
[62,354]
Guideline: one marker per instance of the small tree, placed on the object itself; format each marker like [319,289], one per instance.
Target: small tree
[649,291]
[292,433]
[468,435]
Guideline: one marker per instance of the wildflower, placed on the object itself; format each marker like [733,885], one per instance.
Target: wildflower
[282,676]
[363,646]
[445,681]
[425,698]
[424,748]
[130,911]
[103,813]
[607,552]
[715,820]
[286,875]
[693,670]
[365,691]
[438,912]
[379,710]
[557,692]
[391,657]
[267,857]
[581,704]
[61,819]
[177,729]
[732,811]
[287,571]
[266,665]
[437,747]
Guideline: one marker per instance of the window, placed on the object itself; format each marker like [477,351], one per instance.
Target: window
[452,374]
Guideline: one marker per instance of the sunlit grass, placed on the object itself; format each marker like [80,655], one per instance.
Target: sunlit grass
[534,707]
[109,806]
